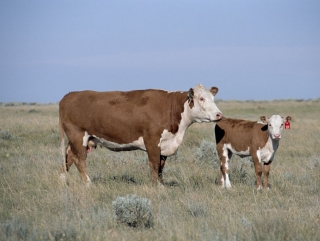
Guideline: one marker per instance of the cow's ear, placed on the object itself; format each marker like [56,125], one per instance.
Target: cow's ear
[214,90]
[263,119]
[190,95]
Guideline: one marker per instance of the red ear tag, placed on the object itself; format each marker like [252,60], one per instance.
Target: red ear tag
[287,125]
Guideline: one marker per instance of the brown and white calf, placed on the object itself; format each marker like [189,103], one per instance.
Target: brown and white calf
[248,138]
[151,120]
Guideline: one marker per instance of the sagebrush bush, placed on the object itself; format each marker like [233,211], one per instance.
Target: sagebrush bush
[207,152]
[133,211]
[5,135]
[15,230]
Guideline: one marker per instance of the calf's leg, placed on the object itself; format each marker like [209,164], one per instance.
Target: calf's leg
[225,155]
[258,170]
[266,175]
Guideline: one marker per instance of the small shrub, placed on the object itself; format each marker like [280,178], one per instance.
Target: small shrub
[246,223]
[314,162]
[207,152]
[14,230]
[5,135]
[238,173]
[133,211]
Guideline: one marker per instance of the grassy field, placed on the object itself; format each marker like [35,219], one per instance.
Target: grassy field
[35,205]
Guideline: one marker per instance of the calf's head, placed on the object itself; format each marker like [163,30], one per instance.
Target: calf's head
[275,125]
[201,104]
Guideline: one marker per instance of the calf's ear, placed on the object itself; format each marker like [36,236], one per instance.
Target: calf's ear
[190,95]
[214,90]
[263,119]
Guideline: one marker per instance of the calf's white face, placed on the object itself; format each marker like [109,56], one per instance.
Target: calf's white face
[204,109]
[275,125]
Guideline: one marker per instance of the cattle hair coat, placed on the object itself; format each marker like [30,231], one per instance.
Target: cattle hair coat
[150,120]
[260,140]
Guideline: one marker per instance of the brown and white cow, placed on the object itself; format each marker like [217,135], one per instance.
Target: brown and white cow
[248,138]
[151,120]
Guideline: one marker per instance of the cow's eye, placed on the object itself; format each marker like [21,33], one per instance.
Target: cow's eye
[202,99]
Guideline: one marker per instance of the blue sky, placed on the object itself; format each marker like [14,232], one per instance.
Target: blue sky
[250,50]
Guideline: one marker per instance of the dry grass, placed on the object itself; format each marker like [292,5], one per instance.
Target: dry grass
[34,205]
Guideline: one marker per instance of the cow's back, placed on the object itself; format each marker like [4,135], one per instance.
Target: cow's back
[122,116]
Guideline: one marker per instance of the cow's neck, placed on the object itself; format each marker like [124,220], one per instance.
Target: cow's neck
[169,142]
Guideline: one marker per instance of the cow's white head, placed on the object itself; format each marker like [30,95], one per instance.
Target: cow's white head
[201,104]
[275,125]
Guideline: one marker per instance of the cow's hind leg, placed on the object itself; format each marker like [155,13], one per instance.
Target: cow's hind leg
[68,160]
[77,154]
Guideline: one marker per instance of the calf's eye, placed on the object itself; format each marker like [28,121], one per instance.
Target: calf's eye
[201,99]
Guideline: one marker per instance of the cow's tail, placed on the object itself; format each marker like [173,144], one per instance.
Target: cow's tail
[63,151]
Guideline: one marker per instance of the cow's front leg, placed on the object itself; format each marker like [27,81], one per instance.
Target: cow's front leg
[156,162]
[162,162]
[69,159]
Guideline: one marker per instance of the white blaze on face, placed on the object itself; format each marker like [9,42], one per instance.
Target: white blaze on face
[275,126]
[204,110]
